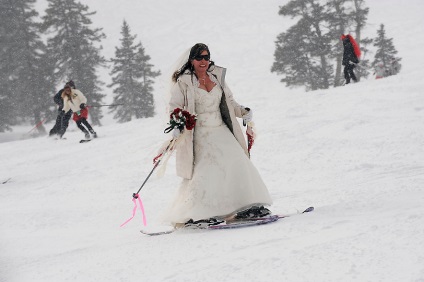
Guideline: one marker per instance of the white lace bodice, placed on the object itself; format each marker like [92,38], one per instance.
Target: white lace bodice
[207,107]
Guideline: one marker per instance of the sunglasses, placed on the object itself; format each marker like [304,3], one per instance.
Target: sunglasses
[202,57]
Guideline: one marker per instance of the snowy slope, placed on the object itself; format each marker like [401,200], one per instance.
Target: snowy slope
[354,152]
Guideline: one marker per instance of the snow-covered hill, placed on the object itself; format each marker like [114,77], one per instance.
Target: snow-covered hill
[354,152]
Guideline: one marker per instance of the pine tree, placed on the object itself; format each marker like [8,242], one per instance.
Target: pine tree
[132,77]
[346,16]
[386,52]
[359,16]
[22,67]
[292,60]
[72,46]
[338,12]
[364,67]
[7,69]
[302,52]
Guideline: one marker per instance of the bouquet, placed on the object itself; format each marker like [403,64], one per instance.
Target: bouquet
[181,119]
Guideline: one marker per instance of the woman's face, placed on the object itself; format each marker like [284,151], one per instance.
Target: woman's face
[201,63]
[67,90]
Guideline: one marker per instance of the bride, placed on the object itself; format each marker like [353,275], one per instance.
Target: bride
[219,180]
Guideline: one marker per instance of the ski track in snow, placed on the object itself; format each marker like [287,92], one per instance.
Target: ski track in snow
[353,152]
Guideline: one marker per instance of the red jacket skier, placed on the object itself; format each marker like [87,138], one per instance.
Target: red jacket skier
[351,53]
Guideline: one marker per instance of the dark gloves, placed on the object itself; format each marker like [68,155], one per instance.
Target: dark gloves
[82,106]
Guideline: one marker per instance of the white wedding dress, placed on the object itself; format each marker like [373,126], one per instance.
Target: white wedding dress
[224,179]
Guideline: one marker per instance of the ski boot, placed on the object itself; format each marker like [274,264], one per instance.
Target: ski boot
[203,223]
[253,212]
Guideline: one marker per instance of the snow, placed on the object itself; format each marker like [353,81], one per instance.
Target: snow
[355,153]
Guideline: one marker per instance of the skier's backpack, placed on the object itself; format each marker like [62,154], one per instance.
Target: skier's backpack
[355,45]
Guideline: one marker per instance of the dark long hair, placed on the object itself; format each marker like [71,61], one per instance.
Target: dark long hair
[196,50]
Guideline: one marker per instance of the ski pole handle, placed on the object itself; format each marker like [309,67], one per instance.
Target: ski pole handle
[244,122]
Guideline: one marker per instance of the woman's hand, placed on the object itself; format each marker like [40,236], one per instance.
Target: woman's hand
[176,133]
[248,116]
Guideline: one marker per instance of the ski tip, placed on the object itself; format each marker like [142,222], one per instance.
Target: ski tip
[308,209]
[7,180]
[157,233]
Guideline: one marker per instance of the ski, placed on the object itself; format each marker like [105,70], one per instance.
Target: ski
[7,180]
[159,232]
[254,221]
[246,223]
[232,224]
[85,140]
[310,209]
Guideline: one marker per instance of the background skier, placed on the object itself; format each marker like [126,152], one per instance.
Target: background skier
[379,71]
[74,100]
[62,120]
[351,53]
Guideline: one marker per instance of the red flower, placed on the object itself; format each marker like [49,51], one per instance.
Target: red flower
[175,112]
[181,119]
[190,122]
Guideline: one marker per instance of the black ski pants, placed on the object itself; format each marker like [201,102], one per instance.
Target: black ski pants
[83,121]
[62,122]
[348,73]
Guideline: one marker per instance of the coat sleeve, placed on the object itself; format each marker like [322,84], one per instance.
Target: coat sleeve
[238,109]
[81,97]
[178,97]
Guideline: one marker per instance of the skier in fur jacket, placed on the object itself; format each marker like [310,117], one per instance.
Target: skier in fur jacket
[74,100]
[351,53]
[62,120]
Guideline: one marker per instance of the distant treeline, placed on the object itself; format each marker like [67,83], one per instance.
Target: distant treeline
[309,53]
[38,54]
